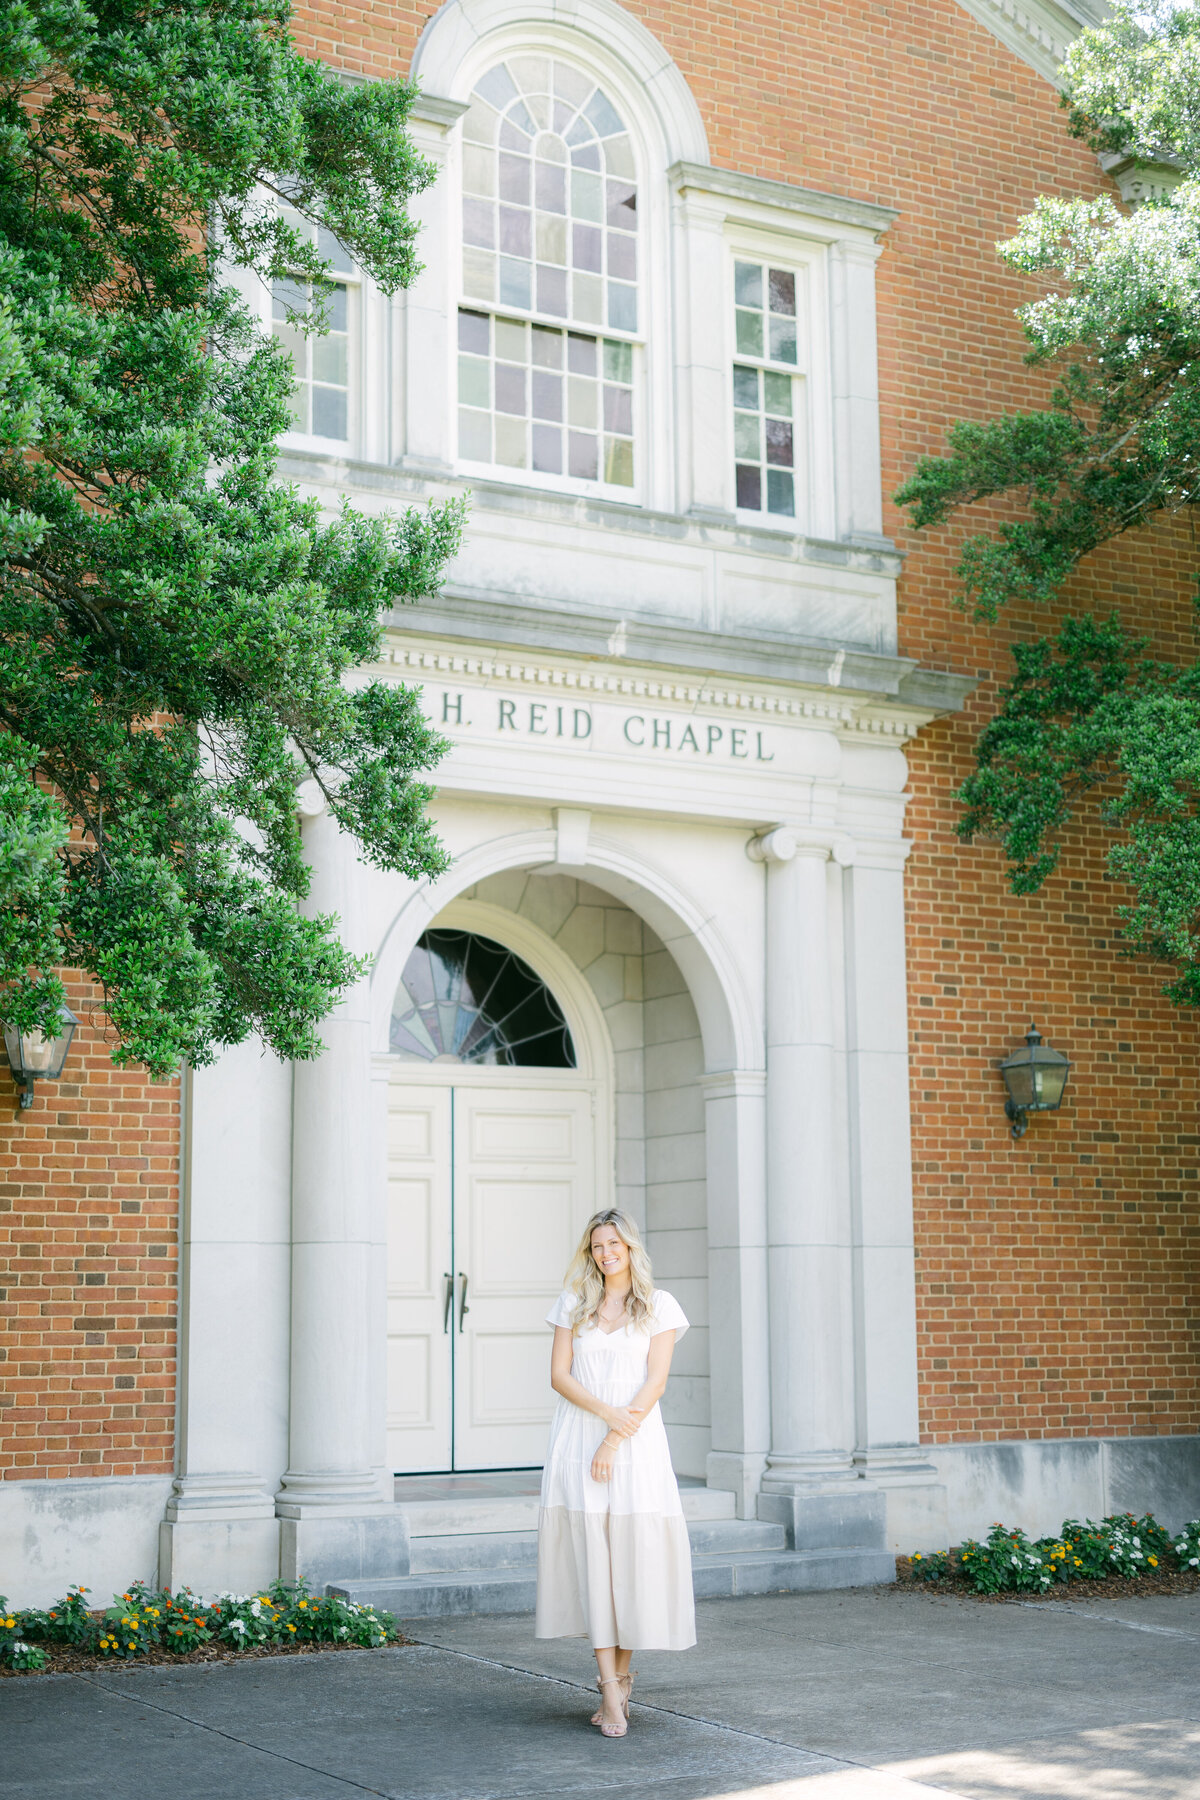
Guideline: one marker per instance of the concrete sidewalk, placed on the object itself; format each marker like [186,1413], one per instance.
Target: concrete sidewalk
[864,1695]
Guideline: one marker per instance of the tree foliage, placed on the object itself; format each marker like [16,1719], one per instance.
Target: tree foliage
[179,631]
[1088,715]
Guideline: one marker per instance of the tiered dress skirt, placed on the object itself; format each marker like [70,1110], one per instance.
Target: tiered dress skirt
[614,1561]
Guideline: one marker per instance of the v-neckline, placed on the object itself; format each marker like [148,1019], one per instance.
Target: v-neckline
[615,1329]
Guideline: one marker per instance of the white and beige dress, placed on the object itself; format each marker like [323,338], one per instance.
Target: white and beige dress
[614,1562]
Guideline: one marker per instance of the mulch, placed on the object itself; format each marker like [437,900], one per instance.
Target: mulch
[63,1660]
[1112,1587]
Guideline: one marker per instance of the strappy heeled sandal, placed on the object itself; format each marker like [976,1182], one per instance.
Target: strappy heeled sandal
[626,1681]
[607,1729]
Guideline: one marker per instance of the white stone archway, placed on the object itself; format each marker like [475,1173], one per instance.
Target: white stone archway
[731,1032]
[447,56]
[733,1089]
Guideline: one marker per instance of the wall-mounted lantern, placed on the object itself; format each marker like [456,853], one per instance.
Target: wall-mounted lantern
[1035,1078]
[32,1056]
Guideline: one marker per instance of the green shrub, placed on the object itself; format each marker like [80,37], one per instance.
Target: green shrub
[932,1565]
[15,1650]
[1121,1544]
[144,1618]
[1186,1547]
[1005,1562]
[68,1621]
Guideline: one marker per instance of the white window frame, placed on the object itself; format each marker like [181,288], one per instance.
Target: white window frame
[355,370]
[832,245]
[540,479]
[425,416]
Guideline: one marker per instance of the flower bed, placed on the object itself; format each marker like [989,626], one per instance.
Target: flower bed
[1120,1554]
[155,1625]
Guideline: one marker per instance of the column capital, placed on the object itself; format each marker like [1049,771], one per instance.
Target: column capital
[310,799]
[783,843]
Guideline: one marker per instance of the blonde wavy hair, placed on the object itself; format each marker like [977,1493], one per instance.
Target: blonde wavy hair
[584,1280]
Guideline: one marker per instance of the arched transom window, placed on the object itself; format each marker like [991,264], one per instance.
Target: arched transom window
[548,328]
[467,999]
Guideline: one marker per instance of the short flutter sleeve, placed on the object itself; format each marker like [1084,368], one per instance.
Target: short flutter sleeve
[668,1315]
[560,1312]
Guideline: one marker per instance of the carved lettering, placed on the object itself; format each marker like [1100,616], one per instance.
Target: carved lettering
[508,715]
[635,719]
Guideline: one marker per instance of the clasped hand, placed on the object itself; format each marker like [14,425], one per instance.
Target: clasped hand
[623,1421]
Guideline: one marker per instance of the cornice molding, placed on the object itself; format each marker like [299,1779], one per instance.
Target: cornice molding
[829,711]
[1040,32]
[780,196]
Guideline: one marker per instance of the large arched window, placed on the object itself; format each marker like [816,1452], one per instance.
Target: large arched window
[467,999]
[548,328]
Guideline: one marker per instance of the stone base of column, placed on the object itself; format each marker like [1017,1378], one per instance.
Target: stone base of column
[736,1473]
[844,1521]
[220,1535]
[917,1508]
[322,1544]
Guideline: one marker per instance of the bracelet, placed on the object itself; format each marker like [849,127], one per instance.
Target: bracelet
[609,1446]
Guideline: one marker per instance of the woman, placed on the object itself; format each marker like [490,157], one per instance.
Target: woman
[614,1562]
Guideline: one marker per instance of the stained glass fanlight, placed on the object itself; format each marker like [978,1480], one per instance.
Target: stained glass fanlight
[467,999]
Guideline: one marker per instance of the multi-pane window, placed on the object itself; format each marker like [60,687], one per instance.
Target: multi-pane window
[537,397]
[320,403]
[765,389]
[550,248]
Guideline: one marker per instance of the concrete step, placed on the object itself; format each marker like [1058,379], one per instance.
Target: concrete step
[485,1550]
[715,1574]
[519,1512]
[479,1551]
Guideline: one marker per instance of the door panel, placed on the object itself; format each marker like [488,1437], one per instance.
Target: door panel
[419,1225]
[524,1186]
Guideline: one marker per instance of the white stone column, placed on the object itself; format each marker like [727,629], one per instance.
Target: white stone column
[220,1530]
[739,1349]
[888,1430]
[811,1483]
[336,1522]
[812,1418]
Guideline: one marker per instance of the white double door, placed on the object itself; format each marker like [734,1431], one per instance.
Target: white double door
[491,1179]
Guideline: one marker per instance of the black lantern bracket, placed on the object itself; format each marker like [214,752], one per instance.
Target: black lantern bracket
[1036,1079]
[32,1056]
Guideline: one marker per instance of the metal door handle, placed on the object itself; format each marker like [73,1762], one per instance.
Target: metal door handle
[449,1301]
[463,1308]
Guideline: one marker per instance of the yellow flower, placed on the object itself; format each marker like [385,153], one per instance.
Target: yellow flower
[303,1604]
[1153,1561]
[291,1628]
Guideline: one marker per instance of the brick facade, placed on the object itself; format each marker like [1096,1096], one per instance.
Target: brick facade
[1057,1275]
[89,1200]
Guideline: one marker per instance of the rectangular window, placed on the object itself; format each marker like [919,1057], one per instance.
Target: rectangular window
[539,398]
[320,403]
[765,389]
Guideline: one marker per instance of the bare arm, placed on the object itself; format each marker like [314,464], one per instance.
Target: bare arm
[658,1367]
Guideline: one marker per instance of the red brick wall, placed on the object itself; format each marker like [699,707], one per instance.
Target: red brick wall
[1055,1275]
[89,1190]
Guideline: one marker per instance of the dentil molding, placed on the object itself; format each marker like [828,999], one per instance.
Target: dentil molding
[839,713]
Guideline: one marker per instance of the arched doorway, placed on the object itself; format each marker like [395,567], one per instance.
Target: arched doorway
[498,1146]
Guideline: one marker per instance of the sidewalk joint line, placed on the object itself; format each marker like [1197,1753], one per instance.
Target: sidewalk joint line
[1079,1612]
[670,1712]
[246,1744]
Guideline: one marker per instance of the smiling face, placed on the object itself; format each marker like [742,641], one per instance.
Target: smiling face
[610,1252]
